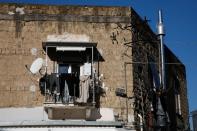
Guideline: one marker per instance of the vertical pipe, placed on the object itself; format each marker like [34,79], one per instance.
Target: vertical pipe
[161,114]
[161,37]
[162,63]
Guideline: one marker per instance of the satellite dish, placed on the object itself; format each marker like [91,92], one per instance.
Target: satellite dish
[36,65]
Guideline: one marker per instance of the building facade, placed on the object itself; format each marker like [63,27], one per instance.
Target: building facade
[124,55]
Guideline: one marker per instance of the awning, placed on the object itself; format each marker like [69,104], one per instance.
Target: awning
[71,51]
[68,44]
[60,48]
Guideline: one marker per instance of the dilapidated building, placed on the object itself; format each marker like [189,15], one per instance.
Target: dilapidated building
[79,62]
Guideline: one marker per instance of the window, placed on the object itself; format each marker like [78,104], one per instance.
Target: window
[177,94]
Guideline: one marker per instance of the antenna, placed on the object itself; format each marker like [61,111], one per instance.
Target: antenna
[160,26]
[161,113]
[161,34]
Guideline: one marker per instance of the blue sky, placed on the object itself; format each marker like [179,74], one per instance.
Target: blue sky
[180,19]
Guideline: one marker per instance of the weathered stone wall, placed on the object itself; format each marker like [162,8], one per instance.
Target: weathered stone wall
[121,36]
[177,69]
[145,46]
[20,33]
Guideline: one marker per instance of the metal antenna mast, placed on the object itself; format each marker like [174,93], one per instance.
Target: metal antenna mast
[161,34]
[161,113]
